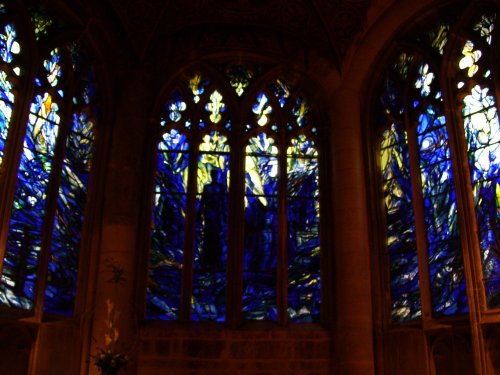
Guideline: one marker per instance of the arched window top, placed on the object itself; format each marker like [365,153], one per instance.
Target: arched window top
[437,110]
[240,204]
[237,99]
[47,136]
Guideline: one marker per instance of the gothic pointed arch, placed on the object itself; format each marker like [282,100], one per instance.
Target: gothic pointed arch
[48,118]
[236,203]
[437,133]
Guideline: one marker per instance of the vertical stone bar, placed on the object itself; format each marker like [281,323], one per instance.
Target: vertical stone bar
[119,253]
[354,321]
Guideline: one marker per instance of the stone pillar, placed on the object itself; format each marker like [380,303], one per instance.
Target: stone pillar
[116,275]
[354,322]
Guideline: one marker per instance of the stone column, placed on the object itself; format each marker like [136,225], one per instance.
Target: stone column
[354,325]
[117,270]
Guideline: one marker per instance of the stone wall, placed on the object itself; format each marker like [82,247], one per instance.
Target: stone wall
[216,350]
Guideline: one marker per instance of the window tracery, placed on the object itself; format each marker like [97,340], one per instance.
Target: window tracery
[438,131]
[53,141]
[273,195]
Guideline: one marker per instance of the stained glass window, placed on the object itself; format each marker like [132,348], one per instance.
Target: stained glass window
[167,240]
[51,182]
[24,242]
[210,259]
[170,256]
[400,221]
[71,198]
[10,48]
[439,198]
[221,238]
[419,158]
[303,230]
[482,133]
[261,229]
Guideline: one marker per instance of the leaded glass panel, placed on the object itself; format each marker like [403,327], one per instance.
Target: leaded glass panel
[25,228]
[446,269]
[6,106]
[440,210]
[436,151]
[65,248]
[401,231]
[198,85]
[215,107]
[397,191]
[209,281]
[167,238]
[262,109]
[303,231]
[282,91]
[45,221]
[476,90]
[261,229]
[483,141]
[210,124]
[9,47]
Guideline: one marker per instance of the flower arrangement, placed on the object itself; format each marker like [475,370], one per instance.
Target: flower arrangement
[109,362]
[108,359]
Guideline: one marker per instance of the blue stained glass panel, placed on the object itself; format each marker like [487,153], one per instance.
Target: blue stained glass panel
[9,46]
[282,91]
[6,105]
[482,132]
[53,68]
[400,221]
[65,247]
[209,271]
[260,267]
[262,109]
[424,81]
[176,108]
[24,235]
[167,232]
[303,232]
[44,120]
[300,111]
[261,229]
[446,269]
[303,266]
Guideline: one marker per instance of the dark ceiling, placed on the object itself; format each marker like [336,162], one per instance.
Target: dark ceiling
[326,26]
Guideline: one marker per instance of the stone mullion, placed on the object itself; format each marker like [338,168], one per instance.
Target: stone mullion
[116,271]
[189,233]
[236,232]
[466,210]
[418,207]
[354,319]
[282,250]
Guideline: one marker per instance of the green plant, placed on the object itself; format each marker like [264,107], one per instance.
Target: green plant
[109,359]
